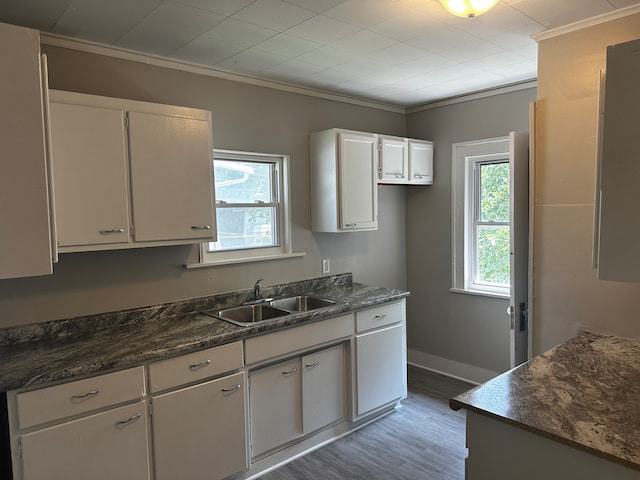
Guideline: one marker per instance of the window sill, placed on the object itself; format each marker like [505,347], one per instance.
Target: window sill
[233,261]
[480,293]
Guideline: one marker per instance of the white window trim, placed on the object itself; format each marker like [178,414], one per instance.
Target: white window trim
[284,250]
[464,155]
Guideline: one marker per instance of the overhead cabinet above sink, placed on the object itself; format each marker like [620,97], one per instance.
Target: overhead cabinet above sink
[130,174]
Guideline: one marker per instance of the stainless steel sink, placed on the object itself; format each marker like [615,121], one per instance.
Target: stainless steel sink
[301,303]
[247,315]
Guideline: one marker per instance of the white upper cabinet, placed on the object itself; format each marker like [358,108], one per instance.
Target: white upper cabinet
[25,236]
[394,160]
[420,162]
[90,171]
[129,174]
[344,166]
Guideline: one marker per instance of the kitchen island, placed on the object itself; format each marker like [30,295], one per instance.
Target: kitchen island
[570,413]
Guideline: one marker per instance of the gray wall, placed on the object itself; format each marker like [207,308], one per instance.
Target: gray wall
[467,329]
[245,117]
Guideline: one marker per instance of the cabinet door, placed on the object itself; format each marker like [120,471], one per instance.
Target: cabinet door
[323,392]
[394,158]
[104,446]
[275,405]
[25,241]
[420,162]
[200,431]
[358,160]
[171,177]
[379,368]
[90,174]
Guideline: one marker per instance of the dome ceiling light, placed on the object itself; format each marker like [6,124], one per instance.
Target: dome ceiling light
[468,8]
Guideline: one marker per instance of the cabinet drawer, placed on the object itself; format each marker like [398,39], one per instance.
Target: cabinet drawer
[379,316]
[294,339]
[60,401]
[194,366]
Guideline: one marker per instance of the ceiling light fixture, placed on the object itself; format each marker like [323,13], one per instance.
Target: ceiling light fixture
[468,8]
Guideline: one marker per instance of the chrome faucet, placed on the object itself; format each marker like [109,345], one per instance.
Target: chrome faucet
[257,294]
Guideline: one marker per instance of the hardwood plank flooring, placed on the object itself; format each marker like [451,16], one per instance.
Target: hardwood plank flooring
[422,440]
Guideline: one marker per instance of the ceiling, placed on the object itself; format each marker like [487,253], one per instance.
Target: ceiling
[398,52]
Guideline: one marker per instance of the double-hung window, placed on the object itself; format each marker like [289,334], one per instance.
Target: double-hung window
[252,214]
[481,217]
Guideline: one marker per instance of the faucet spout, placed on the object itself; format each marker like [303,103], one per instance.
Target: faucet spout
[257,294]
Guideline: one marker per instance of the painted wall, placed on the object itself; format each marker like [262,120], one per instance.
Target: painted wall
[466,335]
[246,117]
[567,294]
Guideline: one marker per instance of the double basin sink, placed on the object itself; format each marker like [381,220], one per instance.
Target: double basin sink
[250,314]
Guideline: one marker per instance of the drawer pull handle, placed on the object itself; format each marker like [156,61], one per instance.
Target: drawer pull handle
[113,230]
[197,366]
[380,317]
[351,224]
[232,389]
[290,372]
[200,227]
[310,365]
[131,419]
[90,394]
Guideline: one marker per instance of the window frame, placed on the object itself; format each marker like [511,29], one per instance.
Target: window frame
[283,215]
[466,156]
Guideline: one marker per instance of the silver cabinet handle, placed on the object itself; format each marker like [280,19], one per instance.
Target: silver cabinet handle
[290,372]
[232,389]
[350,224]
[112,231]
[129,420]
[200,227]
[90,394]
[398,175]
[380,317]
[314,364]
[197,366]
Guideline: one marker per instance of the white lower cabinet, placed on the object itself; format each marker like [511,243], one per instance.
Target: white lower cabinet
[104,446]
[199,432]
[380,358]
[295,397]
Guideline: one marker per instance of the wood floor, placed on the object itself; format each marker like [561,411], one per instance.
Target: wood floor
[422,440]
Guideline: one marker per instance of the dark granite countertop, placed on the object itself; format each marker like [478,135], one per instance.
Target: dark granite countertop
[584,393]
[46,352]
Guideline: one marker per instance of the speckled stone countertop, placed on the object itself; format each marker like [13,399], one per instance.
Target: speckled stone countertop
[584,393]
[46,352]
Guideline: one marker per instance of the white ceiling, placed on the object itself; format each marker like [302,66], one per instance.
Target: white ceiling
[400,52]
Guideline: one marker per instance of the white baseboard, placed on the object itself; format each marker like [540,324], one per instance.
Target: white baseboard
[450,368]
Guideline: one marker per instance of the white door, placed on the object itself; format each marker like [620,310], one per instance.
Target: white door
[519,212]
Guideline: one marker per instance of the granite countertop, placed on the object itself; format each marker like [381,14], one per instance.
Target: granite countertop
[51,351]
[584,393]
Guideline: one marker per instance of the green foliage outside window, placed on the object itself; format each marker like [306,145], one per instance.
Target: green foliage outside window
[493,241]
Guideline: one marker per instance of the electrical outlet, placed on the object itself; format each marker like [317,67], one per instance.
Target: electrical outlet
[325,266]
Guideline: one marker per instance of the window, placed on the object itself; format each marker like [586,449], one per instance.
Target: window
[481,217]
[252,213]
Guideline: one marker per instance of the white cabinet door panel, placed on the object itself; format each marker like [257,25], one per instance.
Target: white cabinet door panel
[323,391]
[420,162]
[200,432]
[380,368]
[104,446]
[276,405]
[171,177]
[90,174]
[394,158]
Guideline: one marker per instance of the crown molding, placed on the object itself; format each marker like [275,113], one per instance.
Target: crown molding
[589,22]
[175,64]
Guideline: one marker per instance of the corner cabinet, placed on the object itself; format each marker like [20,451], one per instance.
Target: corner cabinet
[344,195]
[25,236]
[130,174]
[405,161]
